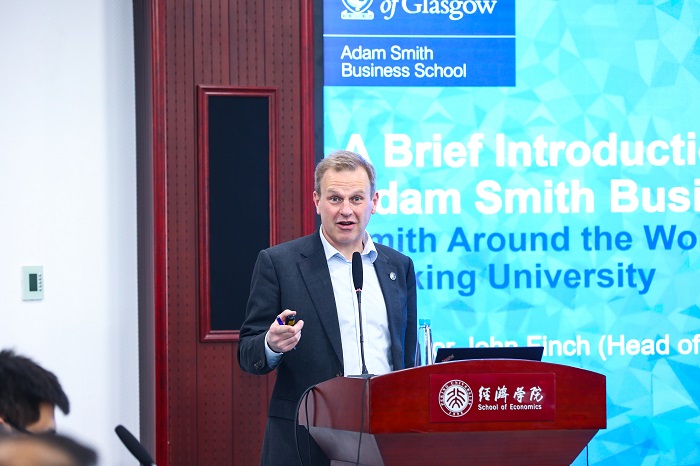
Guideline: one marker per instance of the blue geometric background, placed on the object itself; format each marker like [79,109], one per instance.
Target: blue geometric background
[584,70]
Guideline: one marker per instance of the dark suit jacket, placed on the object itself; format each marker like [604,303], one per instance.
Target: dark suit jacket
[294,275]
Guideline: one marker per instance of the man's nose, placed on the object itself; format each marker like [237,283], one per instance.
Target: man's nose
[346,208]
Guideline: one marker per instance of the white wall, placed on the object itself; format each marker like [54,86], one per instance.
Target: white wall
[68,202]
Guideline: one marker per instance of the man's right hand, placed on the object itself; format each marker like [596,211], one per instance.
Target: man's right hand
[283,338]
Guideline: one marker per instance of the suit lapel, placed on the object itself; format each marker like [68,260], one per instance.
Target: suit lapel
[394,307]
[314,271]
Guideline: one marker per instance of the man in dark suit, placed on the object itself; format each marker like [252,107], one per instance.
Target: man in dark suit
[310,278]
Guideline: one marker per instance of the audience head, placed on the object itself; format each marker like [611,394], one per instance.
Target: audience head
[29,395]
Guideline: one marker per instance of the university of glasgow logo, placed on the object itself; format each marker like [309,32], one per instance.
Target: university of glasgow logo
[357,9]
[456,398]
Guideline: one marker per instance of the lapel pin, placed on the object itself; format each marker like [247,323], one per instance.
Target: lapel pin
[392,275]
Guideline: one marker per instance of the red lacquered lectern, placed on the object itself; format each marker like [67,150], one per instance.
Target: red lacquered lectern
[480,412]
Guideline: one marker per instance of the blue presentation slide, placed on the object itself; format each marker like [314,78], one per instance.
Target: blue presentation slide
[540,163]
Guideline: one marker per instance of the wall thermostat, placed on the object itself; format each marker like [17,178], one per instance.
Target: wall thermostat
[32,283]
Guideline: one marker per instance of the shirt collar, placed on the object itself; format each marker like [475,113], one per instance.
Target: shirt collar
[330,251]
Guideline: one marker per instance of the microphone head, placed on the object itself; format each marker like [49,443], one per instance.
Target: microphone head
[357,276]
[134,446]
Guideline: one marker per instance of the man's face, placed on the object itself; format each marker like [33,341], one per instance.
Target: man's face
[46,421]
[345,206]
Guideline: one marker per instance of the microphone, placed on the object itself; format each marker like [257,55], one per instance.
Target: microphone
[134,446]
[357,273]
[357,278]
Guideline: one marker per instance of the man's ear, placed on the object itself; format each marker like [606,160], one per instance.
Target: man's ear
[316,201]
[375,201]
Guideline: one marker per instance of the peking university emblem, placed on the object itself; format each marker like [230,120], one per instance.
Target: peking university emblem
[456,398]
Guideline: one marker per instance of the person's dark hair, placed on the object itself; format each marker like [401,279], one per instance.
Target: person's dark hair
[344,160]
[24,385]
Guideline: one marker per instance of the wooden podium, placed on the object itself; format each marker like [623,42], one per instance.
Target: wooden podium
[479,412]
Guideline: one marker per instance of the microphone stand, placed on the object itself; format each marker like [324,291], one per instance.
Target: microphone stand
[357,283]
[362,338]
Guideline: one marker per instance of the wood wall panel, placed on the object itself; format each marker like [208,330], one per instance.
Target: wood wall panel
[198,407]
[181,223]
[280,63]
[215,414]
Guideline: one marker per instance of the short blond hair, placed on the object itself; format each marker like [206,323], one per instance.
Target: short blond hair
[344,160]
